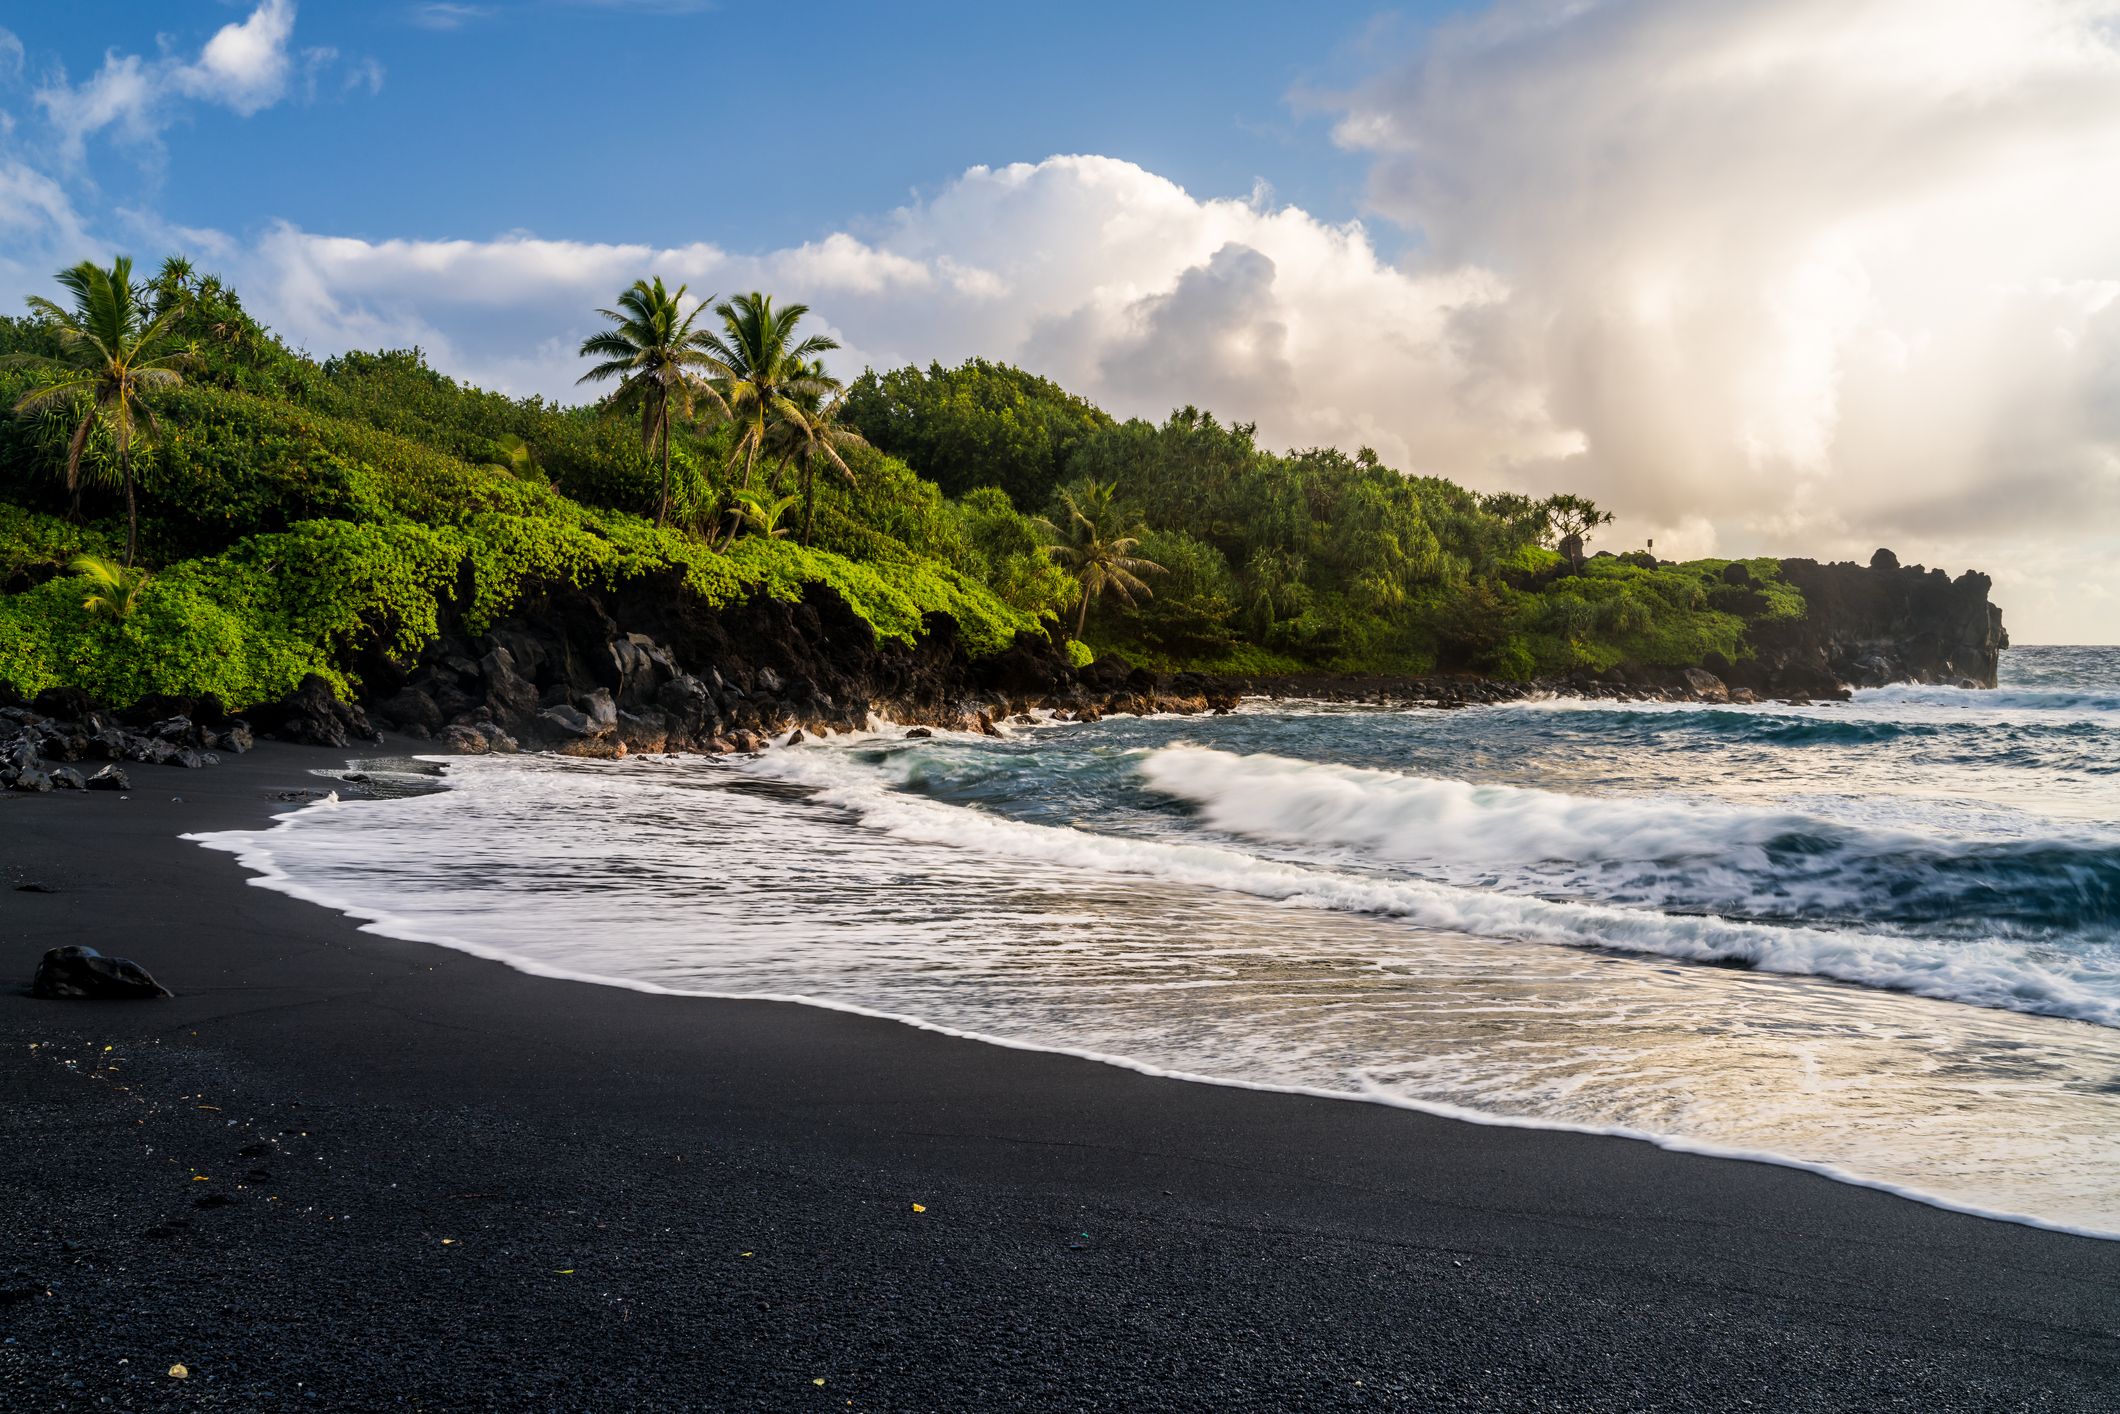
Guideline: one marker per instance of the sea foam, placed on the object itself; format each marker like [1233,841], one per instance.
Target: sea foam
[1991,973]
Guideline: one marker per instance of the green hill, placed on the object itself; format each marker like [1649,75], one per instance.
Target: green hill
[295,515]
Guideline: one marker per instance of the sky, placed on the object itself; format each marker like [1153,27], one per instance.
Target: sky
[1763,276]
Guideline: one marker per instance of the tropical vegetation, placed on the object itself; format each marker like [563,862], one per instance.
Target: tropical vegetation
[187,505]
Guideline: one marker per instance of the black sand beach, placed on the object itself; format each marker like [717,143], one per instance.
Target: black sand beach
[341,1171]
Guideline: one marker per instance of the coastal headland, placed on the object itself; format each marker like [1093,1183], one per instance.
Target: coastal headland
[344,1168]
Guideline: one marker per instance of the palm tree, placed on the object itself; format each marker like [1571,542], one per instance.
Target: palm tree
[762,513]
[817,438]
[113,351]
[1096,544]
[653,351]
[112,590]
[513,455]
[173,281]
[764,372]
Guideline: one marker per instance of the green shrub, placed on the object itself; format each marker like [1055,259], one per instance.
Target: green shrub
[33,545]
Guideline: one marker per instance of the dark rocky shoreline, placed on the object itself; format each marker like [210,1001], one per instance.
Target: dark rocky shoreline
[646,668]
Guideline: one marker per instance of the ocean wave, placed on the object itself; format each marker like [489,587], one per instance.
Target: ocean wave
[2065,721]
[1996,973]
[258,850]
[1690,856]
[2000,699]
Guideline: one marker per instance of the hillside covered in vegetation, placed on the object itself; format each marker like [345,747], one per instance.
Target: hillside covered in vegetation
[290,516]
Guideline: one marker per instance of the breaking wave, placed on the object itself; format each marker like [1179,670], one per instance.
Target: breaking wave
[1685,855]
[1277,800]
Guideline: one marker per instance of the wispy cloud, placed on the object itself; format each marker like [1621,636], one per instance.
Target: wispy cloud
[11,56]
[364,73]
[646,7]
[447,16]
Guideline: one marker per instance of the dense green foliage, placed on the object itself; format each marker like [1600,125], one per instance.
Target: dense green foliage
[1270,562]
[979,424]
[298,515]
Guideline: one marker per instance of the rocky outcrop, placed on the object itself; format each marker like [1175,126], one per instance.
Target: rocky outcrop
[647,668]
[40,740]
[1868,625]
[313,716]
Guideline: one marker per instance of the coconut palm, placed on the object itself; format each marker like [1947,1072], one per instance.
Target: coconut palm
[113,590]
[817,440]
[658,357]
[512,455]
[174,281]
[113,352]
[763,372]
[760,513]
[1095,542]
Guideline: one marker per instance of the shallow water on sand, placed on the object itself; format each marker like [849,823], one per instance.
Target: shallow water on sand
[1881,937]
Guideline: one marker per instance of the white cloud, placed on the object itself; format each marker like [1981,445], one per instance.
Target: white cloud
[246,67]
[11,56]
[363,73]
[1108,277]
[446,16]
[1826,272]
[40,231]
[122,94]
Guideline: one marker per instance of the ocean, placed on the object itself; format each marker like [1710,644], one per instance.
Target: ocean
[1880,938]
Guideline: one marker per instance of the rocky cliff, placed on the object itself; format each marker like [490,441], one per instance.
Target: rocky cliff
[647,668]
[1868,625]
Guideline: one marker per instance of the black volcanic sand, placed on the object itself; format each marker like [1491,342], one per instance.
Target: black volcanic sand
[340,1171]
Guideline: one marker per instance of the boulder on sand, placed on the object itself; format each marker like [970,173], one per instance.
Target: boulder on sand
[84,972]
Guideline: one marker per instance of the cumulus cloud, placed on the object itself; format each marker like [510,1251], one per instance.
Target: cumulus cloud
[1105,276]
[40,230]
[1813,270]
[246,67]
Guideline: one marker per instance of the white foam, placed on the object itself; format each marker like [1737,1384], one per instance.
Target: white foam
[1991,974]
[2000,699]
[1421,819]
[253,850]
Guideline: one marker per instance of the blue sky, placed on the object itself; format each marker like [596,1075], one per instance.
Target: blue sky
[1762,276]
[664,121]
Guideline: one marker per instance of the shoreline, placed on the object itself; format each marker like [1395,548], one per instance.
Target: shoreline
[1239,1247]
[266,874]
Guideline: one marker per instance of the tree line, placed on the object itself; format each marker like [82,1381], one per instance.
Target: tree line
[1183,542]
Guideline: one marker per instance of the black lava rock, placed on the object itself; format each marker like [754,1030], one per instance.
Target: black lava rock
[71,972]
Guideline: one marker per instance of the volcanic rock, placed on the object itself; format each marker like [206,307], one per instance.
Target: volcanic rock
[84,972]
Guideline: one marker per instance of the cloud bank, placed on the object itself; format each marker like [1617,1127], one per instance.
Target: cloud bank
[1765,275]
[1805,267]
